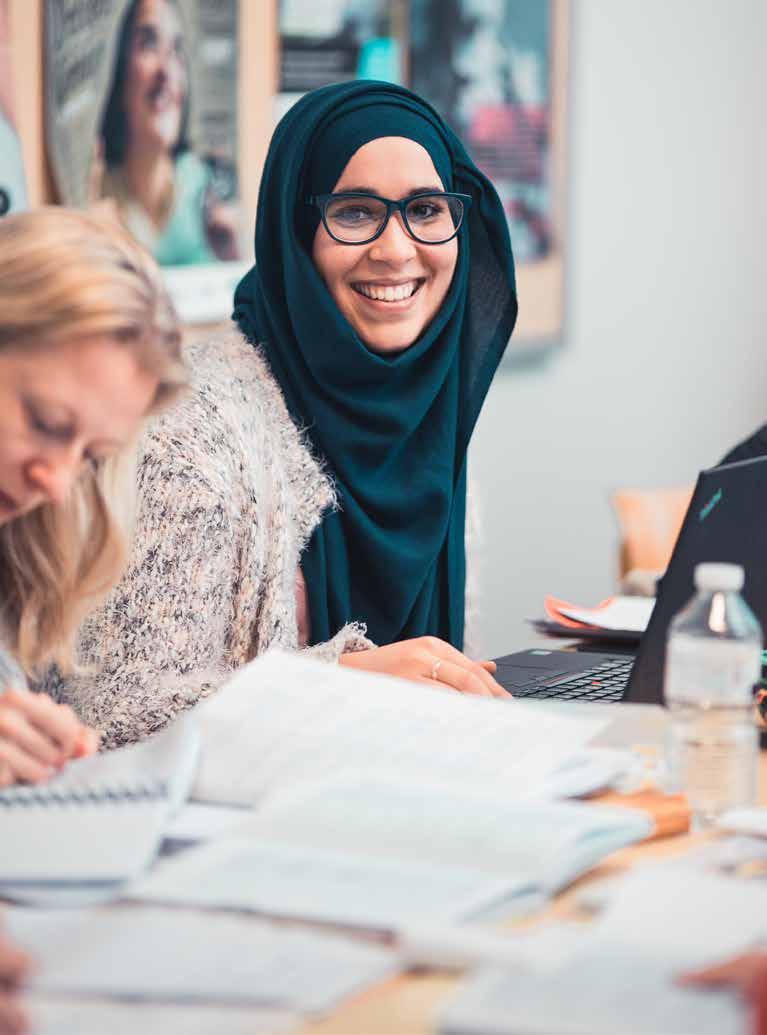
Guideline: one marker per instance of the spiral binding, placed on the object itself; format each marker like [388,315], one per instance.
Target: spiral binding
[49,796]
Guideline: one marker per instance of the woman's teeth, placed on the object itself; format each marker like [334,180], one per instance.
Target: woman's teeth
[387,292]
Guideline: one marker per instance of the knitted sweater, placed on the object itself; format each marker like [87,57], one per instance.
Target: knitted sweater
[228,495]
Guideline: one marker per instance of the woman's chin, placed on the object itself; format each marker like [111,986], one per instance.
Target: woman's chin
[389,336]
[388,344]
[163,134]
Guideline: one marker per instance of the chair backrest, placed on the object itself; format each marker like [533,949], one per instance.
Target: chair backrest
[649,520]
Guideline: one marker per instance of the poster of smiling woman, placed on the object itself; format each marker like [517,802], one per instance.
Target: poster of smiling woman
[142,115]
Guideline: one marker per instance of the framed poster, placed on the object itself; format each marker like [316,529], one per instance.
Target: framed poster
[329,41]
[497,70]
[141,115]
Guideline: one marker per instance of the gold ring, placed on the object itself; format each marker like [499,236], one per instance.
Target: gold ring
[435,667]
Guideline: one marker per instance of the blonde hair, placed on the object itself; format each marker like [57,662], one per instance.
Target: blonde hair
[65,276]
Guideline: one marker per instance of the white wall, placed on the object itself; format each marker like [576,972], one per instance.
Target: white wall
[662,366]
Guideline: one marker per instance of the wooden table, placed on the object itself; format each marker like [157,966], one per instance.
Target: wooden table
[409,1005]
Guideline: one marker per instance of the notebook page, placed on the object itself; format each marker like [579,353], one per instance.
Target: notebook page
[94,843]
[285,719]
[100,821]
[167,954]
[163,763]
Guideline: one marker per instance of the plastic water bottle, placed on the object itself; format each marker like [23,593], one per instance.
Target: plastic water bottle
[713,660]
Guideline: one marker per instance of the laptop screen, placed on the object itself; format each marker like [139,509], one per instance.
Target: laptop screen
[726,521]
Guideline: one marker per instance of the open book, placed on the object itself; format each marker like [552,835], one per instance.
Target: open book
[381,803]
[384,854]
[100,821]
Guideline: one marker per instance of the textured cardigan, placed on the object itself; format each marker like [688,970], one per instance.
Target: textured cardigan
[228,496]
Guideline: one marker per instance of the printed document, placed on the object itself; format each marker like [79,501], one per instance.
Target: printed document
[284,720]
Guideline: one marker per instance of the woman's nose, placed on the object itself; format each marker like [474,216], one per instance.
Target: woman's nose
[395,244]
[54,477]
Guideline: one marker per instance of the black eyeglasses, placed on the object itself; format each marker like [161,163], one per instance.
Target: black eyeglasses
[352,218]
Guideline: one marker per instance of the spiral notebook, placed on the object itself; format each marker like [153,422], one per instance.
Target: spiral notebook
[99,822]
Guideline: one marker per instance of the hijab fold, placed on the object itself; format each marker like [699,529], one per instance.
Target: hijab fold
[393,430]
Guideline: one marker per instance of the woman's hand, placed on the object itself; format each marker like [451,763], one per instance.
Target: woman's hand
[38,736]
[14,966]
[429,660]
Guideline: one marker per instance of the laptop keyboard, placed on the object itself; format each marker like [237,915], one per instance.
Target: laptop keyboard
[603,682]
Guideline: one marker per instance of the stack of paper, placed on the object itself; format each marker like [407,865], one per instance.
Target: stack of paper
[381,804]
[616,618]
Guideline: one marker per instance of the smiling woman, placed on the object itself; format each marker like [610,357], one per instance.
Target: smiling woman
[392,290]
[89,346]
[164,192]
[383,298]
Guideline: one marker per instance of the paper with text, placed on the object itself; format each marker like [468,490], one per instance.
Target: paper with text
[284,719]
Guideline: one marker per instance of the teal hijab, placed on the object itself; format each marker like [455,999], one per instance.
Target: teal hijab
[391,430]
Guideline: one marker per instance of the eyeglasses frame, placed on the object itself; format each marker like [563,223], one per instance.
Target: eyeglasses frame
[322,201]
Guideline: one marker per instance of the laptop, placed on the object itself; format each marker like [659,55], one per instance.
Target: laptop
[726,521]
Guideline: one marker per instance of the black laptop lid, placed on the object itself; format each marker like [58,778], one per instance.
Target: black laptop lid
[726,521]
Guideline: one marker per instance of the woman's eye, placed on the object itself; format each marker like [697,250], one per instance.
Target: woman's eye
[353,214]
[61,434]
[425,210]
[146,38]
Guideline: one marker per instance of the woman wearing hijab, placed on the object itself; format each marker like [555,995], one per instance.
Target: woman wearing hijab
[383,297]
[229,493]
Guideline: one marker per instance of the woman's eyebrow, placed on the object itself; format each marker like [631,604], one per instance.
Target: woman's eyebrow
[431,189]
[357,190]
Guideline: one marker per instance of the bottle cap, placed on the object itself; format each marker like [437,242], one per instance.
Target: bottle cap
[725,578]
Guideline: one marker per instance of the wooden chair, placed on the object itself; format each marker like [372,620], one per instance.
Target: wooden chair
[649,521]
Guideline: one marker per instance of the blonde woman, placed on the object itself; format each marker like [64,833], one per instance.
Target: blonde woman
[89,346]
